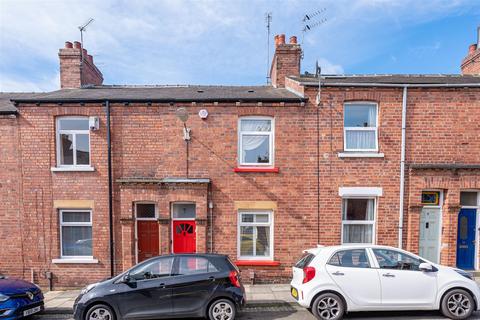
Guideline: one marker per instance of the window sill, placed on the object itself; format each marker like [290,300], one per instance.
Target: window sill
[264,263]
[73,261]
[72,169]
[360,155]
[255,169]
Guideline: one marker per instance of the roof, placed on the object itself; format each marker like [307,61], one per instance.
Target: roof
[6,106]
[187,93]
[390,79]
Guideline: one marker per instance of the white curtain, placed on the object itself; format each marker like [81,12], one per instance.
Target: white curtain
[357,139]
[357,233]
[252,142]
[372,116]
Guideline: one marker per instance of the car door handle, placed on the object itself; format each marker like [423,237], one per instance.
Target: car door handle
[161,285]
[338,273]
[388,275]
[212,278]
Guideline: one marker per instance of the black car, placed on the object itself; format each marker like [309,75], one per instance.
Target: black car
[171,286]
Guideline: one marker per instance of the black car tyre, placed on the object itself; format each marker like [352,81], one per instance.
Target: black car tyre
[222,309]
[100,312]
[328,306]
[457,304]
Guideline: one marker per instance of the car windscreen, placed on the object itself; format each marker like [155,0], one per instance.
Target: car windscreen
[304,260]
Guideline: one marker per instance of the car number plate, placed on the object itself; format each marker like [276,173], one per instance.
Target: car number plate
[294,293]
[31,311]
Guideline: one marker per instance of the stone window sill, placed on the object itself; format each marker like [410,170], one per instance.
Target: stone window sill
[264,263]
[75,261]
[72,169]
[255,169]
[360,155]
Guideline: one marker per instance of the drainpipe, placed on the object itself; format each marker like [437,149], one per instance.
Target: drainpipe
[402,168]
[110,189]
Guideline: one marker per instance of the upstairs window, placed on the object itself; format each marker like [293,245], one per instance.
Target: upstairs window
[256,141]
[73,141]
[360,127]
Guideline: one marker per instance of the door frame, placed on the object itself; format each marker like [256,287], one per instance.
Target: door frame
[141,219]
[440,223]
[181,219]
[476,263]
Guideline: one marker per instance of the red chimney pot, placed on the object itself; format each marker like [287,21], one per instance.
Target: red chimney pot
[281,39]
[68,44]
[293,40]
[472,48]
[77,45]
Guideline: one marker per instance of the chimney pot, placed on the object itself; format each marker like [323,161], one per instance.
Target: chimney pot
[276,40]
[90,58]
[85,53]
[281,39]
[293,40]
[472,48]
[68,44]
[77,45]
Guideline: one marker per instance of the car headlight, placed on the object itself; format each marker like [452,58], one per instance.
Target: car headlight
[464,273]
[88,288]
[3,297]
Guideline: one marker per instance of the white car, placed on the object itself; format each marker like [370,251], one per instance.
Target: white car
[331,281]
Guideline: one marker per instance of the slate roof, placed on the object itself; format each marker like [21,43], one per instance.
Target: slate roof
[187,93]
[6,106]
[391,79]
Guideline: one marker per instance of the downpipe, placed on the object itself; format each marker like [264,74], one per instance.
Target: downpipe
[402,168]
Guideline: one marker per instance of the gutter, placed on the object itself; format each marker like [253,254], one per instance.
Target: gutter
[110,189]
[163,100]
[393,85]
[402,168]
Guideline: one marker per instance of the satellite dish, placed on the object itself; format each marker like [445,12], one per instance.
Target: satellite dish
[182,114]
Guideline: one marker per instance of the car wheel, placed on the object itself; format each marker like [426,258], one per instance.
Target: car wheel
[457,304]
[328,306]
[222,309]
[100,312]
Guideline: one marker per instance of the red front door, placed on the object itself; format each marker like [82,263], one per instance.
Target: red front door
[184,236]
[147,234]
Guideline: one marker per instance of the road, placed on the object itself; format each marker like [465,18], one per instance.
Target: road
[291,313]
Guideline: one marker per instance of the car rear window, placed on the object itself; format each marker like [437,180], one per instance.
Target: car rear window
[232,264]
[304,260]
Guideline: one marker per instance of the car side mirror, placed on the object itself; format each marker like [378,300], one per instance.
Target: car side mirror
[126,279]
[426,267]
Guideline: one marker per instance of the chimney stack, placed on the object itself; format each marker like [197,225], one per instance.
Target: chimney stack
[471,63]
[74,74]
[286,60]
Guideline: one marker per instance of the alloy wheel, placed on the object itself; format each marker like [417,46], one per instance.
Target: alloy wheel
[100,314]
[458,304]
[222,311]
[328,308]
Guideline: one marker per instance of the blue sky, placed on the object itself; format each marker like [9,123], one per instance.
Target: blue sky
[224,42]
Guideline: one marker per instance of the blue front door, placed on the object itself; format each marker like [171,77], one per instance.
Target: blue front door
[466,239]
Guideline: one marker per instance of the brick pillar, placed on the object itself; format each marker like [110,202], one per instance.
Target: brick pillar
[128,242]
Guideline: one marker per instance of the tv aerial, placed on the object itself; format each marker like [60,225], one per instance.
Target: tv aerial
[312,20]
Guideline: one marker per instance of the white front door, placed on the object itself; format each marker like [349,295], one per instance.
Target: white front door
[352,271]
[429,234]
[403,285]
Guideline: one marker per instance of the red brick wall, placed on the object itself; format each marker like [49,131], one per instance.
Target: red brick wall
[471,63]
[70,66]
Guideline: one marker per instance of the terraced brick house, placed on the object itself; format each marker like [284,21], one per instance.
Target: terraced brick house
[95,178]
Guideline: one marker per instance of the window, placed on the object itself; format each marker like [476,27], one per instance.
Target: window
[358,223]
[256,141]
[195,265]
[468,198]
[356,258]
[157,268]
[431,198]
[73,141]
[360,127]
[145,211]
[184,211]
[76,233]
[255,235]
[392,259]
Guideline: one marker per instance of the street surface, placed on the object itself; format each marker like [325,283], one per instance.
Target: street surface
[291,313]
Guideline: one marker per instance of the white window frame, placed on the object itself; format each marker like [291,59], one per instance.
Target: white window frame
[360,222]
[74,143]
[375,129]
[180,219]
[74,224]
[271,145]
[255,224]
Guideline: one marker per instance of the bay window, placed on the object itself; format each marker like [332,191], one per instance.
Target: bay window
[360,126]
[256,141]
[255,235]
[358,221]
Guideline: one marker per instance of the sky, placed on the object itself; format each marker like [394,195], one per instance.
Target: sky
[225,42]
